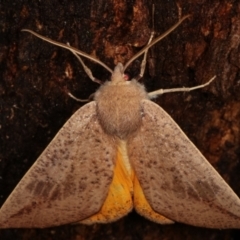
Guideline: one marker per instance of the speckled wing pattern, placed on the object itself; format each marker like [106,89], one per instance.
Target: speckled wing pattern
[177,180]
[69,181]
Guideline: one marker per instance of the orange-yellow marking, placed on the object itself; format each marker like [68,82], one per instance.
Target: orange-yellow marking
[124,188]
[142,206]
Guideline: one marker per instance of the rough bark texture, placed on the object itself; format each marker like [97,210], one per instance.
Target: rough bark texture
[35,75]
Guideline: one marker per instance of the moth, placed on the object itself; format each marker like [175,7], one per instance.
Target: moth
[119,152]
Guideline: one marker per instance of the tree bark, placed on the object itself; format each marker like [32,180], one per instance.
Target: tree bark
[35,78]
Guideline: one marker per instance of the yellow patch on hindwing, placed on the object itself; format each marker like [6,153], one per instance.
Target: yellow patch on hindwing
[124,188]
[142,206]
[119,199]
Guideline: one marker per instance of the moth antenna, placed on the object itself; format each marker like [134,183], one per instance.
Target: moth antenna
[72,49]
[156,40]
[156,93]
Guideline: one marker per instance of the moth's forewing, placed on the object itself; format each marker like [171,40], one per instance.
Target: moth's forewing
[177,180]
[69,181]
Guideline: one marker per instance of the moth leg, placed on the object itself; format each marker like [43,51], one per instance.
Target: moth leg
[151,59]
[179,10]
[88,72]
[183,89]
[86,69]
[144,61]
[77,99]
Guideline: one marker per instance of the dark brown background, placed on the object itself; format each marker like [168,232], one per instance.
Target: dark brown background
[33,82]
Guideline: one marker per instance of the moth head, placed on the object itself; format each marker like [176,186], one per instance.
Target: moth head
[118,75]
